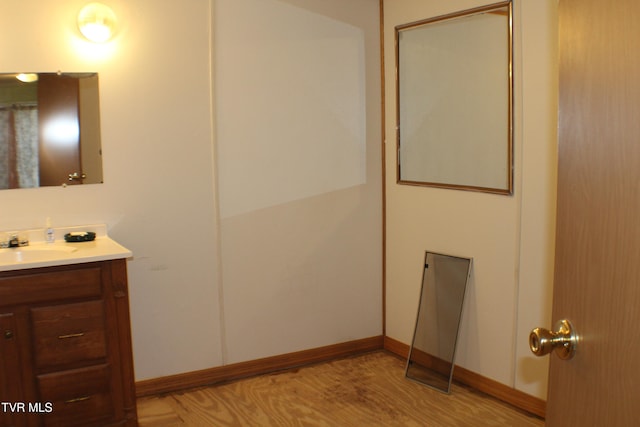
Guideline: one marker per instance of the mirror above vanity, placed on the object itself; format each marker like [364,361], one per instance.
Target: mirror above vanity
[49,130]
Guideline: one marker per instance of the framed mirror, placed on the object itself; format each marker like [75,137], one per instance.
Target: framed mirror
[454,91]
[432,352]
[49,130]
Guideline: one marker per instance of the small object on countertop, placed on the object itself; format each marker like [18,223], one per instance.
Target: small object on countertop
[80,236]
[50,236]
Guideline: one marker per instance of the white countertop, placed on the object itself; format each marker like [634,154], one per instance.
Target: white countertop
[42,254]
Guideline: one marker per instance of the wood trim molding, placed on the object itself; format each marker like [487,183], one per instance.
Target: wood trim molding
[383,158]
[221,374]
[266,365]
[493,388]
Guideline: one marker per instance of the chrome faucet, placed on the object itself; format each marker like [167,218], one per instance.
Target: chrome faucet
[16,241]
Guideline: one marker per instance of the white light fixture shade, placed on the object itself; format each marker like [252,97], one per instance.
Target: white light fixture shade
[27,77]
[97,22]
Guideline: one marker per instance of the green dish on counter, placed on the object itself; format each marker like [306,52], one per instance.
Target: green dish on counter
[84,236]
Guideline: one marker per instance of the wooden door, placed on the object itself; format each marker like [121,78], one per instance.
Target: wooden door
[597,270]
[11,393]
[59,127]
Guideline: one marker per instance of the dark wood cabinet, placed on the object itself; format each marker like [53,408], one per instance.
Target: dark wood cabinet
[65,347]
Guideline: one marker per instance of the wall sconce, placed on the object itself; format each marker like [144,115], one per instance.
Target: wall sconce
[27,77]
[97,22]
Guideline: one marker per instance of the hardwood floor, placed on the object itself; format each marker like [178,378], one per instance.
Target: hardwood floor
[366,390]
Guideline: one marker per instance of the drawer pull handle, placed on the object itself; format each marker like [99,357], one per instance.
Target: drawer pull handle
[64,337]
[78,399]
[8,334]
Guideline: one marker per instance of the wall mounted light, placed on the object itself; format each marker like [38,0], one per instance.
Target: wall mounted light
[27,77]
[97,22]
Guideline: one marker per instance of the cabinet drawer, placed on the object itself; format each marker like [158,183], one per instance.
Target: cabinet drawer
[78,397]
[47,284]
[64,334]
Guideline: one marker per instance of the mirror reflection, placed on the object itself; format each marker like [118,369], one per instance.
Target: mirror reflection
[432,353]
[49,130]
[454,100]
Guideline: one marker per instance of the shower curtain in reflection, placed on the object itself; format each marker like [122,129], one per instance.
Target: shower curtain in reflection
[19,147]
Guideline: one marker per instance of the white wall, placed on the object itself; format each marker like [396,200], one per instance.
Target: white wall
[298,126]
[158,197]
[509,237]
[299,270]
[302,273]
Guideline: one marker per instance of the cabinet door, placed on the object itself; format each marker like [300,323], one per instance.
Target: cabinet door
[11,393]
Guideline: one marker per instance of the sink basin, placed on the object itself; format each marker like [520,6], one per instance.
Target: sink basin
[35,253]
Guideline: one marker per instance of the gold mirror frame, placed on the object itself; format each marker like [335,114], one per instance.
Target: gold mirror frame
[454,100]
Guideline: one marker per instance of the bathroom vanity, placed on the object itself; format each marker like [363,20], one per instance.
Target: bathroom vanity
[65,340]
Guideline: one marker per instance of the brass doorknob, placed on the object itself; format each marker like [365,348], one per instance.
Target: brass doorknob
[77,176]
[564,341]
